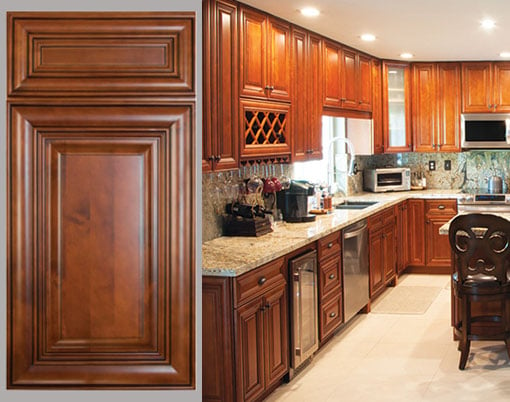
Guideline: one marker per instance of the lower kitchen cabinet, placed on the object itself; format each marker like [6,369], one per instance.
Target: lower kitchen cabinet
[382,245]
[402,235]
[245,337]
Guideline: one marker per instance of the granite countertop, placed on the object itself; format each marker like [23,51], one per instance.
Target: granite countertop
[233,256]
[445,228]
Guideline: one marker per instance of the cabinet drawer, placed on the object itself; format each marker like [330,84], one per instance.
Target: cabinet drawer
[329,245]
[331,316]
[441,207]
[330,277]
[256,282]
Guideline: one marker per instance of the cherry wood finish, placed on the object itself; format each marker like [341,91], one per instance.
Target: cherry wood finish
[74,54]
[377,123]
[365,91]
[416,233]
[402,235]
[436,107]
[385,117]
[306,98]
[349,79]
[220,137]
[331,317]
[332,89]
[265,57]
[382,246]
[437,213]
[101,252]
[485,87]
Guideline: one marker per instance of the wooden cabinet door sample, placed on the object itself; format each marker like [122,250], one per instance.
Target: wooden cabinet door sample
[101,253]
[88,53]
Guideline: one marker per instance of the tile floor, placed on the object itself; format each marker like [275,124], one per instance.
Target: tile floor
[397,357]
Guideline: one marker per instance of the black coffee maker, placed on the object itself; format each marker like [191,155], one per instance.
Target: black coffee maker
[293,202]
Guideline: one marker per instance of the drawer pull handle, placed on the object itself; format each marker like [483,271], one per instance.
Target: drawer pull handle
[331,276]
[262,280]
[441,207]
[330,244]
[332,315]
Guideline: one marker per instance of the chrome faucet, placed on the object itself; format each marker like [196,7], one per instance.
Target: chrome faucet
[331,164]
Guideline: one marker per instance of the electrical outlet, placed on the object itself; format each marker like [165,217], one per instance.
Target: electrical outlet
[432,165]
[447,164]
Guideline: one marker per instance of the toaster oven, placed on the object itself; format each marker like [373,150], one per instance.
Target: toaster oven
[387,179]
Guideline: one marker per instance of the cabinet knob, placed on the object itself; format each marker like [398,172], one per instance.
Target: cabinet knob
[330,244]
[262,280]
[441,207]
[332,315]
[217,158]
[489,106]
[332,276]
[360,102]
[211,158]
[343,99]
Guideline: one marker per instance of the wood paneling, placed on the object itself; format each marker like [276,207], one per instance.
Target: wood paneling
[100,257]
[100,53]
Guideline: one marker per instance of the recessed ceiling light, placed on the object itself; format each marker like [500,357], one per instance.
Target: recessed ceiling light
[488,24]
[406,55]
[310,12]
[367,37]
[505,55]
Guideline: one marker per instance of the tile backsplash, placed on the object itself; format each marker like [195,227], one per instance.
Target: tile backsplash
[468,170]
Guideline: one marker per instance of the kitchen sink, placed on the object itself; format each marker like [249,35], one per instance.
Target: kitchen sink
[355,204]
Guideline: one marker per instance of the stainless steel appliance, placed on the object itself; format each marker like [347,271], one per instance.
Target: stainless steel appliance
[487,130]
[495,185]
[304,306]
[355,268]
[387,179]
[482,202]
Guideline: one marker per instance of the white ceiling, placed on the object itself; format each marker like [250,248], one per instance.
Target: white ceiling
[430,29]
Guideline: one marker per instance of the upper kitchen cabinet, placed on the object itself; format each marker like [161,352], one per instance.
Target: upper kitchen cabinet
[377,107]
[265,66]
[87,54]
[347,78]
[306,96]
[220,136]
[396,107]
[485,87]
[436,107]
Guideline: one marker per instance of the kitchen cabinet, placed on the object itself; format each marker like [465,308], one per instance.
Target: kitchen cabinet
[377,123]
[101,253]
[436,107]
[265,56]
[485,87]
[382,245]
[416,216]
[220,136]
[347,78]
[396,107]
[330,285]
[402,235]
[245,333]
[437,213]
[306,96]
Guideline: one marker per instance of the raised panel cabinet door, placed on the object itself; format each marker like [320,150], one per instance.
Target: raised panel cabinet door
[277,337]
[299,96]
[424,107]
[250,341]
[279,60]
[365,83]
[390,250]
[253,53]
[101,249]
[92,53]
[449,102]
[416,232]
[314,66]
[477,87]
[376,269]
[377,107]
[501,87]
[220,143]
[332,89]
[349,79]
[438,251]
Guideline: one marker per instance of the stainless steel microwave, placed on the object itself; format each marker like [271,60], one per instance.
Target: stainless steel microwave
[487,130]
[387,179]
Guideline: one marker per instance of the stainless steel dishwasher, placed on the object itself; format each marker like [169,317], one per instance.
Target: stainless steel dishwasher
[304,305]
[355,268]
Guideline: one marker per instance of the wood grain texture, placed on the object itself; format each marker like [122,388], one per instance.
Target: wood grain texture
[101,251]
[59,54]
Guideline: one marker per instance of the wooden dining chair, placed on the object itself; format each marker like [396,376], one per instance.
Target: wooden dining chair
[481,247]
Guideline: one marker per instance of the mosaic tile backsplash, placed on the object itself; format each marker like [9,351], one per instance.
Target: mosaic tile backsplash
[469,170]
